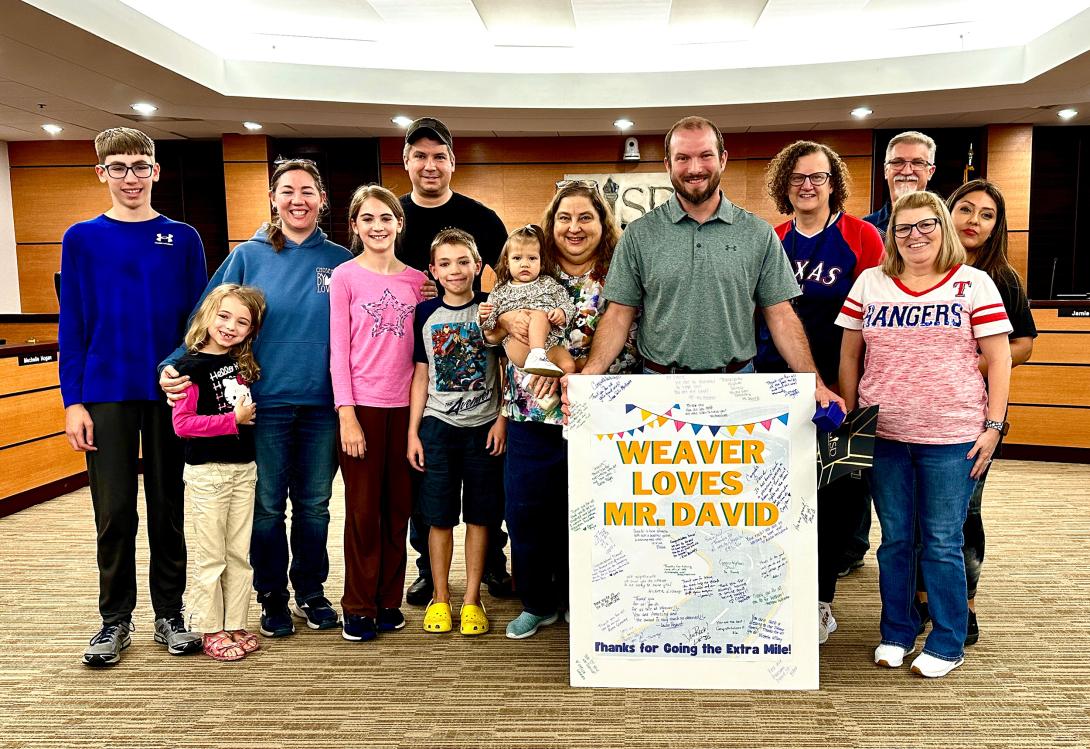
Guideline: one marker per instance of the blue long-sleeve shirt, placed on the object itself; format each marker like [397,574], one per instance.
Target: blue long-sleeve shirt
[293,345]
[126,291]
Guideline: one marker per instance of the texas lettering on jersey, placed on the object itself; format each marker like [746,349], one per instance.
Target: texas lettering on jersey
[803,272]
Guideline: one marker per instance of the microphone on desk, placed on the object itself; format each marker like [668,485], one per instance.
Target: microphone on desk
[1052,282]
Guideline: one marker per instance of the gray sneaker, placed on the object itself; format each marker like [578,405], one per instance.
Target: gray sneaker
[179,640]
[106,646]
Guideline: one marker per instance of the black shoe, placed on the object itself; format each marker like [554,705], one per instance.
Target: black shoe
[420,592]
[390,619]
[275,617]
[500,584]
[358,628]
[925,615]
[317,611]
[849,566]
[972,632]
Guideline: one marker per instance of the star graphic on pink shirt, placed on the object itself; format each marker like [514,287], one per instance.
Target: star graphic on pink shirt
[389,314]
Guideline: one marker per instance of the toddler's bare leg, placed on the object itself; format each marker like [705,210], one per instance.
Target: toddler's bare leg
[516,352]
[559,356]
[539,328]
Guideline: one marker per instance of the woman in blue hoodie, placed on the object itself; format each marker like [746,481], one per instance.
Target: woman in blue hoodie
[295,433]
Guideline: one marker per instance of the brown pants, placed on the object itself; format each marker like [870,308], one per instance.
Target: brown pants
[378,502]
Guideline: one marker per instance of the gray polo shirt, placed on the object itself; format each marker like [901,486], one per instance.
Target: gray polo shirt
[699,284]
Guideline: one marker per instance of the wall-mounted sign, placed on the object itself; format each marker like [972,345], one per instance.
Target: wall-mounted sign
[633,194]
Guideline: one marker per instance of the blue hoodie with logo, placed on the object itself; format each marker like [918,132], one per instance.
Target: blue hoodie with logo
[293,345]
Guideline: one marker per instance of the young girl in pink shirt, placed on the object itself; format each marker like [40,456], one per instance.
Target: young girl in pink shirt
[372,299]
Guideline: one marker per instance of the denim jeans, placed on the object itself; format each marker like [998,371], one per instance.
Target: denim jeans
[928,486]
[536,485]
[296,457]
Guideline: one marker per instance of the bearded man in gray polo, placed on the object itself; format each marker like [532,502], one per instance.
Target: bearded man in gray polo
[699,266]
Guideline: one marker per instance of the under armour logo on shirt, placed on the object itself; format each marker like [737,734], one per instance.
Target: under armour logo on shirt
[165,239]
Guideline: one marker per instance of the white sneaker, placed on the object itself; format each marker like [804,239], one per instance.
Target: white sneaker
[826,622]
[539,364]
[932,667]
[890,656]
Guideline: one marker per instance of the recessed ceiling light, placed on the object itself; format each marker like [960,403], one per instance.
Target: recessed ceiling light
[401,120]
[1067,114]
[623,124]
[53,129]
[251,125]
[860,113]
[144,108]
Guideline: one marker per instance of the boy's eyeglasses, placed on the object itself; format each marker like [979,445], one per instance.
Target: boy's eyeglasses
[918,165]
[926,226]
[120,171]
[817,179]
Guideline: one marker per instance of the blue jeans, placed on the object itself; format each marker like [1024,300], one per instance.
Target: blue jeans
[928,486]
[536,485]
[296,457]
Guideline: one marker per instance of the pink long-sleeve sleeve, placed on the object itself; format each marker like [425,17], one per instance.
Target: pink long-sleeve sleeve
[340,341]
[188,423]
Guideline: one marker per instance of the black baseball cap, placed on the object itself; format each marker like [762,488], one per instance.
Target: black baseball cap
[429,127]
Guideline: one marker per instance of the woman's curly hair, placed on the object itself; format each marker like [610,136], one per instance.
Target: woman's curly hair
[783,164]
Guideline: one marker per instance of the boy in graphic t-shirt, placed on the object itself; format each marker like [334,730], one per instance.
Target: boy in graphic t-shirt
[456,433]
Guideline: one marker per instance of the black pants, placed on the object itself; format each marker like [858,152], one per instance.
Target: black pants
[112,470]
[495,560]
[837,520]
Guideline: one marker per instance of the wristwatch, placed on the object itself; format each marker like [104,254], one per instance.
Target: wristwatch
[1000,426]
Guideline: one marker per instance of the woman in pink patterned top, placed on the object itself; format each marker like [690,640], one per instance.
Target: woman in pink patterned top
[372,299]
[922,316]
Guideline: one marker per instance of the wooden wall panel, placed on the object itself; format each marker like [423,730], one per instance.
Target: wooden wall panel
[37,463]
[30,415]
[1048,319]
[247,198]
[47,200]
[1051,348]
[52,153]
[245,147]
[37,264]
[22,332]
[1018,252]
[16,379]
[1010,154]
[1049,426]
[1050,385]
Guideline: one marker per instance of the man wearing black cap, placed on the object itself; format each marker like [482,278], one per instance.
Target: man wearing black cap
[431,207]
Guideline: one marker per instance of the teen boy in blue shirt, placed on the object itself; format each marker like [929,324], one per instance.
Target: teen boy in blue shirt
[128,281]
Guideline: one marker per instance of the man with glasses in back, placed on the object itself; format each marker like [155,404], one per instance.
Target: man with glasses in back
[431,207]
[909,164]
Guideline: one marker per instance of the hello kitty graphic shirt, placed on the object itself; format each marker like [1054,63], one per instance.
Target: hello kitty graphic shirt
[205,417]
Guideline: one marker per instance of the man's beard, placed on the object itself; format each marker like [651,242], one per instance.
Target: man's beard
[696,198]
[904,187]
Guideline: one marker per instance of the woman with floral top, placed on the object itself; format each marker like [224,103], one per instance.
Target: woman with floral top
[581,234]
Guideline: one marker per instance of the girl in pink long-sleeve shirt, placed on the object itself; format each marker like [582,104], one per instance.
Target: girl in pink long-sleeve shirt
[372,299]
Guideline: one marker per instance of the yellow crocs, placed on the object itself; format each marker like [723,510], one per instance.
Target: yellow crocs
[438,618]
[474,620]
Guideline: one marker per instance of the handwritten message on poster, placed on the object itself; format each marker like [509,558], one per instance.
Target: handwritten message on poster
[693,536]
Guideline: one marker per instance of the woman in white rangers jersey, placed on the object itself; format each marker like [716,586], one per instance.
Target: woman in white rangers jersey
[922,316]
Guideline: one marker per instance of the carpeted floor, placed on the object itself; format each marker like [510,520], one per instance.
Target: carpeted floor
[1026,684]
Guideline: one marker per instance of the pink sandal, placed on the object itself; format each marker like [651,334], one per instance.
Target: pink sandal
[248,640]
[221,647]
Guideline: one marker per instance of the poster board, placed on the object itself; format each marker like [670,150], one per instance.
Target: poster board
[692,531]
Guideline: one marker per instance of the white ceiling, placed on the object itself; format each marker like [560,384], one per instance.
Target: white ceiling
[344,67]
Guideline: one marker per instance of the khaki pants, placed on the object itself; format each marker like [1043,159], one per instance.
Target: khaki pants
[221,504]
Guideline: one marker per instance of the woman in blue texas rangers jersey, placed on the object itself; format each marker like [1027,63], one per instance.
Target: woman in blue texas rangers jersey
[828,249]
